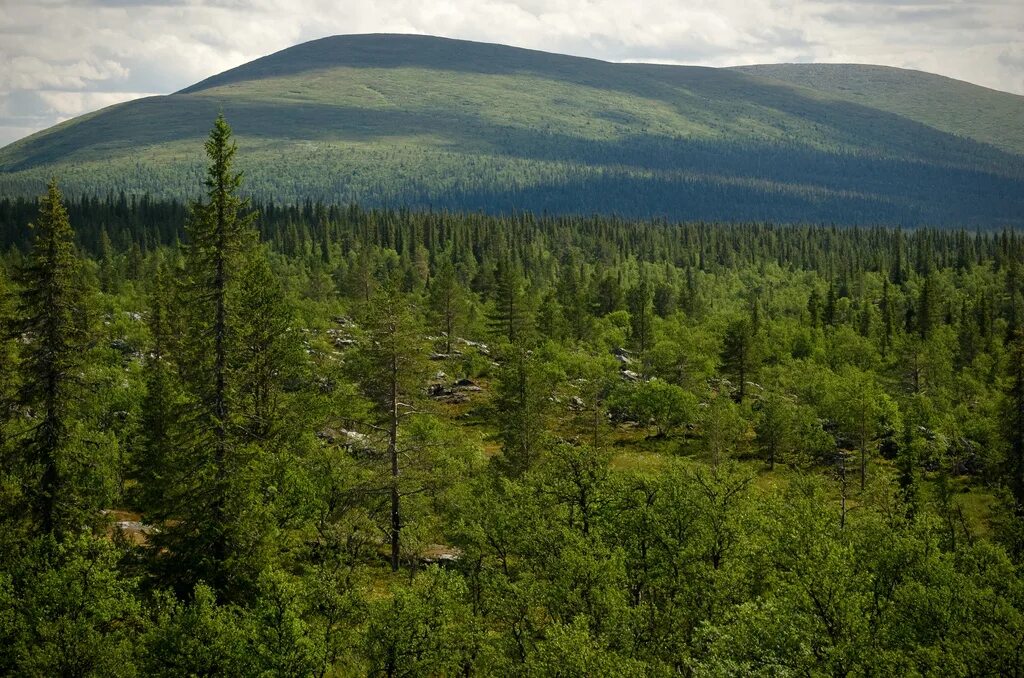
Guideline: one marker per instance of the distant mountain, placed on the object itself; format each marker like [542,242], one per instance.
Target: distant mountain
[433,122]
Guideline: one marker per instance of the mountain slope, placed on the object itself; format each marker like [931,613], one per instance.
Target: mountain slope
[428,121]
[953,106]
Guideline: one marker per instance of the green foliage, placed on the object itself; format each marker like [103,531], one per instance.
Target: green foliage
[665,406]
[378,515]
[526,384]
[424,630]
[67,610]
[198,637]
[62,480]
[739,354]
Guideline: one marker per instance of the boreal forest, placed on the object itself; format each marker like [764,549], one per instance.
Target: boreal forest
[241,438]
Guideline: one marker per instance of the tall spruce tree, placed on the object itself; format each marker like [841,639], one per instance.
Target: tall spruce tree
[199,500]
[268,355]
[53,319]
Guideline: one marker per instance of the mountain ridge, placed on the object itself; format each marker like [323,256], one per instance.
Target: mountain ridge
[424,121]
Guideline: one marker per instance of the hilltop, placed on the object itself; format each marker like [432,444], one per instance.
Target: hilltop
[432,122]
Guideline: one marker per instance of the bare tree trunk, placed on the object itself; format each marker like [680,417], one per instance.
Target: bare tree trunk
[842,487]
[449,323]
[863,449]
[396,518]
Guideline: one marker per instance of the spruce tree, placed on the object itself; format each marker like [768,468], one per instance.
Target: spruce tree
[268,354]
[52,316]
[109,282]
[886,309]
[161,404]
[200,500]
[926,308]
[523,404]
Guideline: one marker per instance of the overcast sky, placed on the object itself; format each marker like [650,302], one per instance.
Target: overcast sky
[64,58]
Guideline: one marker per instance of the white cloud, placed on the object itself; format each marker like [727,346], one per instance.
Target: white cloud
[66,104]
[62,58]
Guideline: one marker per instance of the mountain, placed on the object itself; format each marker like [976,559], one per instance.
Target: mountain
[433,122]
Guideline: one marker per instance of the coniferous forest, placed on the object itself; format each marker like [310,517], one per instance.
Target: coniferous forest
[257,439]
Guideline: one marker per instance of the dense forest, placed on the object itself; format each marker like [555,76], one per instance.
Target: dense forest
[315,440]
[637,177]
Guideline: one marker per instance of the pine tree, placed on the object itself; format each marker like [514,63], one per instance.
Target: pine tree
[510,318]
[738,353]
[52,316]
[390,368]
[641,310]
[886,309]
[447,302]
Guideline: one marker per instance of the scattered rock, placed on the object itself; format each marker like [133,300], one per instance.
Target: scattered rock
[341,339]
[440,554]
[466,385]
[454,394]
[351,439]
[478,345]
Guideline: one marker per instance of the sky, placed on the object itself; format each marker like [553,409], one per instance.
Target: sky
[62,58]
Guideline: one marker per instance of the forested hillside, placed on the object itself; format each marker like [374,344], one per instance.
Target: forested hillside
[329,441]
[430,123]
